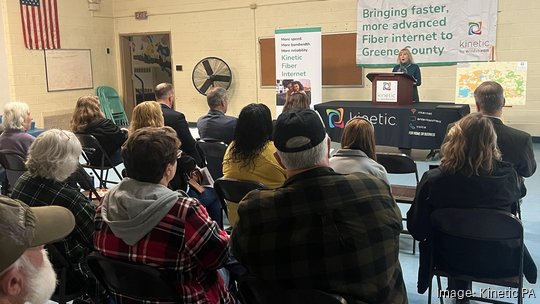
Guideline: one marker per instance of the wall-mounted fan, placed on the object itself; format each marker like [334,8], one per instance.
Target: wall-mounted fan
[211,72]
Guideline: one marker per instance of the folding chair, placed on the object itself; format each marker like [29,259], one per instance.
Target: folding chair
[63,292]
[137,281]
[14,165]
[255,291]
[214,151]
[232,191]
[476,228]
[397,163]
[96,158]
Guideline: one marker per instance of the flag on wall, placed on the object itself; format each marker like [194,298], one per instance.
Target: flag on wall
[40,24]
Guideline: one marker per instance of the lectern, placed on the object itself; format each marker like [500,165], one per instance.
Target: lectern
[391,88]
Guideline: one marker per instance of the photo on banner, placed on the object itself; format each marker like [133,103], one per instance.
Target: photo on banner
[435,31]
[298,65]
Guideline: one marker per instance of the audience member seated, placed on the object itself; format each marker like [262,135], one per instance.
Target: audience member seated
[143,221]
[297,101]
[88,119]
[321,230]
[26,274]
[251,154]
[471,175]
[16,122]
[52,158]
[149,114]
[515,145]
[216,125]
[146,114]
[357,153]
[165,96]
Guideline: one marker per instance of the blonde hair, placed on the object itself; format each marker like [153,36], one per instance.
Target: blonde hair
[146,114]
[359,134]
[470,147]
[408,52]
[86,110]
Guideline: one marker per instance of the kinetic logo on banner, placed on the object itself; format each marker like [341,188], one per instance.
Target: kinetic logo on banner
[298,64]
[435,31]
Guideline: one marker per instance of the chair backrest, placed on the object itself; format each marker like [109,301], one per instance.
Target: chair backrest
[397,163]
[111,105]
[133,280]
[93,152]
[232,191]
[480,232]
[14,165]
[255,291]
[213,151]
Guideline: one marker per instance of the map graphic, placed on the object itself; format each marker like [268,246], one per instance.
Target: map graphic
[511,75]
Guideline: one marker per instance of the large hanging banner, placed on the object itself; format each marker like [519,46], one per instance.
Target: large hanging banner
[298,64]
[436,31]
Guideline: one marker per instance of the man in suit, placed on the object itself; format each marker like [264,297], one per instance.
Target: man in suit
[176,120]
[515,145]
[215,124]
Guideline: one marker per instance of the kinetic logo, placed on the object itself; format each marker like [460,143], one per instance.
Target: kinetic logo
[475,28]
[335,118]
[387,86]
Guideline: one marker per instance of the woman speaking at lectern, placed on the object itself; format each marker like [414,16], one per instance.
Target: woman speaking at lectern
[406,65]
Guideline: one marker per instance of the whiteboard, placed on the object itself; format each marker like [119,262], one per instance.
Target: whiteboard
[68,70]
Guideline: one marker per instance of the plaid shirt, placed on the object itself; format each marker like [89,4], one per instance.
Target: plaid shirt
[323,230]
[38,191]
[186,243]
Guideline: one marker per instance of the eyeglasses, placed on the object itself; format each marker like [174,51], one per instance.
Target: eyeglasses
[67,135]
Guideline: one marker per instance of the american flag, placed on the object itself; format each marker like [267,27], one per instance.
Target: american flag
[40,24]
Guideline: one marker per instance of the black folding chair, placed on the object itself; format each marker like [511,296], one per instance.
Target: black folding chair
[214,151]
[397,163]
[232,191]
[96,158]
[14,165]
[476,228]
[134,280]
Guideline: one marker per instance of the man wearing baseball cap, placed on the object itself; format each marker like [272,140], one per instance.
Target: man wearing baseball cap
[26,274]
[321,230]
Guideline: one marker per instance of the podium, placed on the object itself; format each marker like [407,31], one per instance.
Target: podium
[391,88]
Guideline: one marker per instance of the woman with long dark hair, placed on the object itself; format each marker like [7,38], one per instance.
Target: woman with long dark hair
[250,156]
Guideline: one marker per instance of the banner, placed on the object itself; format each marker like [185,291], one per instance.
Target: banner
[298,64]
[436,31]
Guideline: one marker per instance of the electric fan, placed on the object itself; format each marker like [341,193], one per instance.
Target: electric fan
[211,72]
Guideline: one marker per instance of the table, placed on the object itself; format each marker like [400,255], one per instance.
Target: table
[417,126]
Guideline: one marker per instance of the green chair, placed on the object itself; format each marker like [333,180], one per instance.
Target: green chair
[111,105]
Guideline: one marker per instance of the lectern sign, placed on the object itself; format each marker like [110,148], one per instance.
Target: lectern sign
[387,91]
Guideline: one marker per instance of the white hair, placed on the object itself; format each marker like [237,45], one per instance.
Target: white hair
[305,159]
[15,115]
[54,155]
[40,281]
